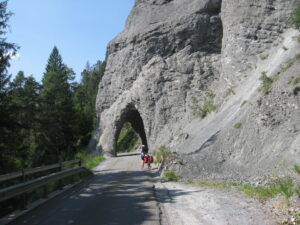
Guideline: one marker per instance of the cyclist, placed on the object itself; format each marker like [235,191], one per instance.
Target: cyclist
[144,151]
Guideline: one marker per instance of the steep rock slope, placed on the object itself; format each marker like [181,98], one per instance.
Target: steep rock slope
[176,57]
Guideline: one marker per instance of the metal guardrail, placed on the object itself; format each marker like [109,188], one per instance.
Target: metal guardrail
[9,192]
[25,172]
[26,186]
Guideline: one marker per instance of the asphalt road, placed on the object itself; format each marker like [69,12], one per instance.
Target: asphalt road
[119,193]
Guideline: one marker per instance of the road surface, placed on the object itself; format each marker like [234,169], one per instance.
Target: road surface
[119,193]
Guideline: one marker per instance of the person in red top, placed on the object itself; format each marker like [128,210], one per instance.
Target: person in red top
[144,150]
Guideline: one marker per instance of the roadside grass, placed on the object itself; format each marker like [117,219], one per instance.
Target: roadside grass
[283,186]
[161,154]
[89,162]
[259,192]
[219,185]
[170,175]
[237,125]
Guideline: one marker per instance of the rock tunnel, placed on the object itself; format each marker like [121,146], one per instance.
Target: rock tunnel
[132,116]
[112,123]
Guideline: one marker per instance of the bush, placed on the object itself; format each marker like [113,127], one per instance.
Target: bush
[295,19]
[266,83]
[244,102]
[89,162]
[161,155]
[171,176]
[286,187]
[237,125]
[207,107]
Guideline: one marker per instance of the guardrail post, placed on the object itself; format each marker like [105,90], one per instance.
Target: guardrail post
[23,196]
[60,184]
[79,164]
[45,190]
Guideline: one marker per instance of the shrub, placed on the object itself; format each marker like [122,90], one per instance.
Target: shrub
[286,187]
[88,161]
[207,107]
[161,155]
[244,102]
[263,57]
[266,83]
[297,169]
[171,176]
[296,81]
[295,19]
[237,125]
[229,91]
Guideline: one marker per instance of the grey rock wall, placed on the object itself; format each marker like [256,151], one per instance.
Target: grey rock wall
[172,51]
[168,50]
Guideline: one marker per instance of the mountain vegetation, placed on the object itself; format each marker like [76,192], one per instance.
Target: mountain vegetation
[47,122]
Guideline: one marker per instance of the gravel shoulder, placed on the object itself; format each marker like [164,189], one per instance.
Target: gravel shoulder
[184,204]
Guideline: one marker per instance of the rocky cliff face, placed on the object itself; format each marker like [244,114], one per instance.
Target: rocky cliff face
[178,60]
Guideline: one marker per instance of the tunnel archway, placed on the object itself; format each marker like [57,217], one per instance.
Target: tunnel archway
[131,115]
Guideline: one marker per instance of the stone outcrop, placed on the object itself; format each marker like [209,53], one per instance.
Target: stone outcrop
[175,56]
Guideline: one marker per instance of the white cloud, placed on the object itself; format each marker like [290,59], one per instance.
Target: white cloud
[12,55]
[16,56]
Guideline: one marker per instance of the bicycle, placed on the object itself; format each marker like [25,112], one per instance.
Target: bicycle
[148,159]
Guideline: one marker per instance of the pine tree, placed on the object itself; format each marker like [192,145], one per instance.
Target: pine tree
[7,125]
[58,115]
[23,93]
[85,98]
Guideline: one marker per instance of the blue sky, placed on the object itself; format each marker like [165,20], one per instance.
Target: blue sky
[81,30]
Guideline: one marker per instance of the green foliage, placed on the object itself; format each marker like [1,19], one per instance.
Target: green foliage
[162,154]
[286,187]
[297,169]
[296,80]
[171,176]
[237,125]
[295,19]
[8,126]
[283,186]
[128,139]
[260,192]
[84,100]
[263,57]
[58,120]
[266,83]
[207,106]
[244,102]
[44,124]
[219,185]
[88,161]
[229,91]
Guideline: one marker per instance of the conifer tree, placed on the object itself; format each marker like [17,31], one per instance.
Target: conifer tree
[57,111]
[7,125]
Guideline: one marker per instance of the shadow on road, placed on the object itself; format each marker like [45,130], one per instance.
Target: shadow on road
[124,197]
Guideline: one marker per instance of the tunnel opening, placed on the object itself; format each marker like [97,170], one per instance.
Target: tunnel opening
[131,124]
[128,140]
